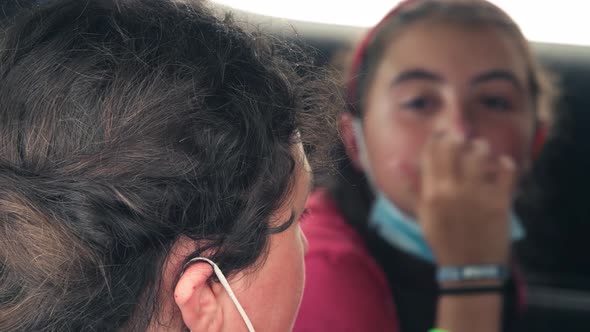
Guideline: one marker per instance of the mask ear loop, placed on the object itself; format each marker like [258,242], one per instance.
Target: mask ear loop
[227,288]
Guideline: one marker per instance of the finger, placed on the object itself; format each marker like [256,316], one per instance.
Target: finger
[507,173]
[448,156]
[442,157]
[476,164]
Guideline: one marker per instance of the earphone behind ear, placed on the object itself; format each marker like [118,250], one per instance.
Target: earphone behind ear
[226,286]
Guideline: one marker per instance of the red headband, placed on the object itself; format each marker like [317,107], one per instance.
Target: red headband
[359,54]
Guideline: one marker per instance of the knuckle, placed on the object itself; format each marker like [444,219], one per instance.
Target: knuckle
[443,192]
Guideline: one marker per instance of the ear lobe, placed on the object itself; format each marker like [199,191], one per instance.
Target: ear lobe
[349,140]
[197,302]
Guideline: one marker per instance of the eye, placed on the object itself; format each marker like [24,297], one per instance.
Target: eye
[496,103]
[304,214]
[419,104]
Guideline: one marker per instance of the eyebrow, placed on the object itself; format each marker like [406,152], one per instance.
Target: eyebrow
[416,74]
[491,75]
[498,74]
[286,224]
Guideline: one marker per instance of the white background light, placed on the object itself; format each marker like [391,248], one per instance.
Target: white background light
[551,21]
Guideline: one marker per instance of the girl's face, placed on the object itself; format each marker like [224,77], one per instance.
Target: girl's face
[438,77]
[271,296]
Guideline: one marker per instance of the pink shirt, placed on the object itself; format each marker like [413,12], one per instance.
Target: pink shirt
[345,290]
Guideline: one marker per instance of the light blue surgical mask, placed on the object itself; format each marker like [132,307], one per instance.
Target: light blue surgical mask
[396,227]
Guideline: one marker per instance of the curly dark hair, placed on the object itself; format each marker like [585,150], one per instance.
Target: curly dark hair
[126,125]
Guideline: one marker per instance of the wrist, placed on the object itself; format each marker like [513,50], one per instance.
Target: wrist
[489,256]
[471,283]
[472,280]
[455,260]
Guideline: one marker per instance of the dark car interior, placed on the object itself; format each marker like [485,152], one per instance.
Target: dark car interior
[555,259]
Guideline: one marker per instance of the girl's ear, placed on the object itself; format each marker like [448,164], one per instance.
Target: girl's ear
[349,140]
[539,140]
[200,308]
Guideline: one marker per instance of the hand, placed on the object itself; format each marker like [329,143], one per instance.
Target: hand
[465,200]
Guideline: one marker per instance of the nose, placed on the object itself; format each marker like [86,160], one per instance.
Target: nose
[304,242]
[456,120]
